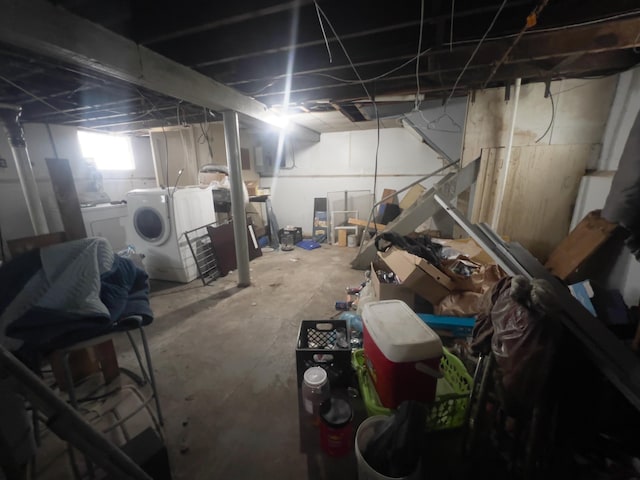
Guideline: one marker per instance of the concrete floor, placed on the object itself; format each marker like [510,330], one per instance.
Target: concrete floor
[224,360]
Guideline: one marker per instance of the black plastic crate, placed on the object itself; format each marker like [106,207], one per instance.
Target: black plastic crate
[295,232]
[326,344]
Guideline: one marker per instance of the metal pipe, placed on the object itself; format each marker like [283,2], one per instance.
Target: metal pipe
[65,422]
[10,117]
[497,204]
[232,140]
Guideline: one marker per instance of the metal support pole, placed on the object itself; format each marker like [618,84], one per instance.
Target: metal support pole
[497,206]
[10,116]
[232,139]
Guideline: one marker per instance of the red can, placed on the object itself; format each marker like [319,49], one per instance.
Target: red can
[336,432]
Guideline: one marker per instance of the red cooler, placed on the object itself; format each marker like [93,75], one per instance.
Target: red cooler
[402,352]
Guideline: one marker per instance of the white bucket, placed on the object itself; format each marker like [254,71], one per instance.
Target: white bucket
[352,241]
[363,437]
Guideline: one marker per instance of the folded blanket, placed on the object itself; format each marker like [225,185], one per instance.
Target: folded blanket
[82,290]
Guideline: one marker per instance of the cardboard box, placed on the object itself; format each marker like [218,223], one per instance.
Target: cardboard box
[389,291]
[342,238]
[468,247]
[418,275]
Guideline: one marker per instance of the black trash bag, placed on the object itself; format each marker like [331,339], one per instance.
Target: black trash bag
[396,447]
[519,324]
[421,246]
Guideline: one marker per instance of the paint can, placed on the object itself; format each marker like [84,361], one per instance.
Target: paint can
[352,241]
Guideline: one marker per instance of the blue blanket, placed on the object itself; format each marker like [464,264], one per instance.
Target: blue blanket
[79,290]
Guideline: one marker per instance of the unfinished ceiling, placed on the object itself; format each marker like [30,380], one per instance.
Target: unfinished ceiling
[292,54]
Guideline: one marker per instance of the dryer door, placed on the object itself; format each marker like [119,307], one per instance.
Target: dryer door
[151,225]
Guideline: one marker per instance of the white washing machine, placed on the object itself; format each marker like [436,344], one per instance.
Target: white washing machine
[108,221]
[158,218]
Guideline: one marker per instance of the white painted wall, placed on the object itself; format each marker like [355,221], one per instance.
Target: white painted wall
[345,161]
[625,274]
[14,220]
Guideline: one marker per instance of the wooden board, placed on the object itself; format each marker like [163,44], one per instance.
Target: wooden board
[342,238]
[18,246]
[539,198]
[411,196]
[363,223]
[67,197]
[580,244]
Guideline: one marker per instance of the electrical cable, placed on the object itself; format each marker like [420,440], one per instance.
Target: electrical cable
[372,79]
[451,44]
[39,99]
[455,85]
[417,101]
[346,54]
[453,11]
[205,134]
[553,117]
[343,80]
[270,84]
[324,34]
[364,87]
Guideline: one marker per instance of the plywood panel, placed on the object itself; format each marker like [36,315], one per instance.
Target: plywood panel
[541,190]
[581,113]
[487,183]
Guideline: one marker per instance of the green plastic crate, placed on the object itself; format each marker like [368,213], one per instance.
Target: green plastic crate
[452,394]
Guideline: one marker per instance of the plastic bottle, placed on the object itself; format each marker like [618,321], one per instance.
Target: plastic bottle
[315,391]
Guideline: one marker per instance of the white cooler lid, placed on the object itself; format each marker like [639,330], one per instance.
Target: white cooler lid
[399,333]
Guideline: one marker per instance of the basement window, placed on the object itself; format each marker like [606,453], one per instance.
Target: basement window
[108,152]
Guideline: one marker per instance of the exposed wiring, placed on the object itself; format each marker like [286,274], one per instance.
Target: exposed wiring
[364,87]
[366,90]
[531,21]
[346,54]
[372,79]
[553,118]
[342,80]
[451,44]
[324,34]
[475,50]
[431,124]
[453,11]
[632,13]
[40,99]
[417,101]
[205,134]
[270,84]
